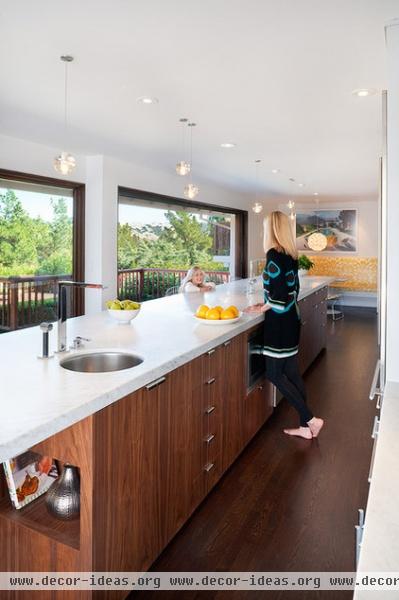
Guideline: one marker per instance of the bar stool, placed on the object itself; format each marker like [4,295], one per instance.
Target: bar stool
[334,298]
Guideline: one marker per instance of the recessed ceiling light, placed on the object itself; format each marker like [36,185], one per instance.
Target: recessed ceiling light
[363,92]
[147,100]
[301,184]
[227,145]
[275,171]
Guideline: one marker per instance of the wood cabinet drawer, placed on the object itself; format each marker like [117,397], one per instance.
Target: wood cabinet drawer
[212,447]
[212,472]
[212,362]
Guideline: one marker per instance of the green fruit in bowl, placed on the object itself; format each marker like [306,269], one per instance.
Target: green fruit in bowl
[115,306]
[122,305]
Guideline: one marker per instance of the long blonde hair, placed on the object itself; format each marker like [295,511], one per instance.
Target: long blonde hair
[189,277]
[278,234]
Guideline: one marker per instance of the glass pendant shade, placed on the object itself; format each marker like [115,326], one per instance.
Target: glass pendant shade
[183,168]
[64,163]
[292,216]
[190,191]
[257,207]
[317,242]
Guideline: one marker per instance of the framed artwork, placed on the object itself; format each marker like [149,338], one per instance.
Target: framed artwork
[338,225]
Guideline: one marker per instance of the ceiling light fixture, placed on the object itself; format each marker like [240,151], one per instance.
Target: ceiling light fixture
[191,190]
[147,100]
[317,241]
[291,207]
[65,163]
[257,206]
[183,167]
[364,92]
[275,171]
[301,185]
[227,145]
[292,180]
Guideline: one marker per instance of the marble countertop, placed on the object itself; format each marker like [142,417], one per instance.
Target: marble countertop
[380,545]
[39,398]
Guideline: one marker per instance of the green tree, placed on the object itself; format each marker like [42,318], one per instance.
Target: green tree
[57,243]
[128,246]
[17,245]
[185,228]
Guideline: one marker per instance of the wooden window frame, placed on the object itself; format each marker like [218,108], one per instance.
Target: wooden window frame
[78,226]
[241,227]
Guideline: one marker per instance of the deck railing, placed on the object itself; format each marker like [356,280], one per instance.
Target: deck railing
[26,301]
[146,284]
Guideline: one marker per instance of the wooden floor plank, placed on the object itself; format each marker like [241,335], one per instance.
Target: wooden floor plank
[289,504]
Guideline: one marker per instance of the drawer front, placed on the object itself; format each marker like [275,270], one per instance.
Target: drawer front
[212,363]
[212,472]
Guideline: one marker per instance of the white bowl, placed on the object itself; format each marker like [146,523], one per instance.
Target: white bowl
[123,316]
[218,321]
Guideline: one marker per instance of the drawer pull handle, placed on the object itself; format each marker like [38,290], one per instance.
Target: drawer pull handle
[227,343]
[210,410]
[374,391]
[209,438]
[376,425]
[209,467]
[210,352]
[210,381]
[155,383]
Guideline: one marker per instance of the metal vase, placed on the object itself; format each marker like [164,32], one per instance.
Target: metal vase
[63,498]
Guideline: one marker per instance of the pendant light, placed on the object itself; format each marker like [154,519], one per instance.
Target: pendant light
[291,208]
[65,163]
[257,206]
[191,190]
[183,167]
[317,241]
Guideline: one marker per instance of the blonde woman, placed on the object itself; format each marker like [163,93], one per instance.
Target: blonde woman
[282,320]
[194,281]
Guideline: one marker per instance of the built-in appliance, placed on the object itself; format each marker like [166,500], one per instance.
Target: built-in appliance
[256,359]
[257,363]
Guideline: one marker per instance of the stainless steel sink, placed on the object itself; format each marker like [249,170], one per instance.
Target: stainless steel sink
[101,362]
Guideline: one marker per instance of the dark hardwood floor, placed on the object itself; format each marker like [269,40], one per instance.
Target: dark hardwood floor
[289,504]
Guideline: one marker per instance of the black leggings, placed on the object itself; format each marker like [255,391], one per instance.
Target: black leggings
[284,374]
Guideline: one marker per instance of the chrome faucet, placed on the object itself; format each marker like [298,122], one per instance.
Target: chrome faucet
[62,308]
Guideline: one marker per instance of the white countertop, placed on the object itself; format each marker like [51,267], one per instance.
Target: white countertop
[380,545]
[39,398]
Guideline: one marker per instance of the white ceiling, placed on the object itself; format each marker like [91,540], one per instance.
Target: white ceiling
[273,76]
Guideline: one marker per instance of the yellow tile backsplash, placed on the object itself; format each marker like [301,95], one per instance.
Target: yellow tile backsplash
[360,272]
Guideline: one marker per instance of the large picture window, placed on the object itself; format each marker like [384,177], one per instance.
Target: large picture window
[41,242]
[159,238]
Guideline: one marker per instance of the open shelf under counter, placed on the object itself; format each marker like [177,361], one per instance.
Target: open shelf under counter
[36,516]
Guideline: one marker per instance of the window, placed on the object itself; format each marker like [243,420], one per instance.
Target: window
[40,244]
[159,238]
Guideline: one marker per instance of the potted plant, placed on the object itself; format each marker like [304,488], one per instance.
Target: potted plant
[304,265]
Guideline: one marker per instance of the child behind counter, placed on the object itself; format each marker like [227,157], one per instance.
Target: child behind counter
[194,281]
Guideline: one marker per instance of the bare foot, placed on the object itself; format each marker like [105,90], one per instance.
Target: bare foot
[315,426]
[303,432]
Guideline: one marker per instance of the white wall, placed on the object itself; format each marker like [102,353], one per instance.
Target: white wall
[102,176]
[392,325]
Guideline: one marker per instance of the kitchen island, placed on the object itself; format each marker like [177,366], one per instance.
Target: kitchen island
[150,442]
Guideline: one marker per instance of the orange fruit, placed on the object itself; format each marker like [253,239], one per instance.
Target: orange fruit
[227,314]
[201,311]
[219,308]
[213,314]
[234,309]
